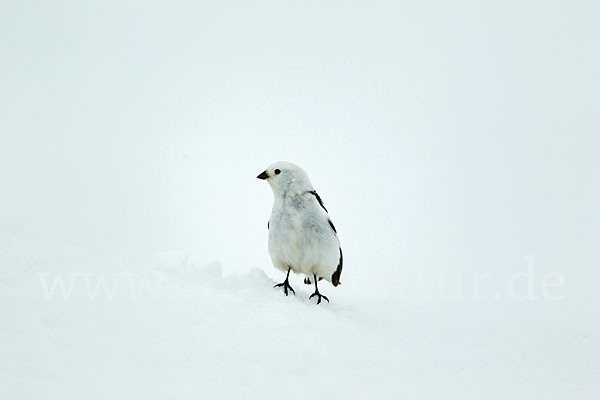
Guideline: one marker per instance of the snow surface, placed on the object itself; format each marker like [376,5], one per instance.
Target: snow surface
[452,142]
[179,329]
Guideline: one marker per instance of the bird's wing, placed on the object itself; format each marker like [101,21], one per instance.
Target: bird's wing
[335,278]
[314,193]
[332,226]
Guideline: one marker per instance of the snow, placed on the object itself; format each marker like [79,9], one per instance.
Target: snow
[170,327]
[455,145]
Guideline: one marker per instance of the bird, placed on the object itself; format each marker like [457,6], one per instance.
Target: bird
[302,237]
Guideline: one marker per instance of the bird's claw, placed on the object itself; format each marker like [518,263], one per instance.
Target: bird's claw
[286,286]
[319,297]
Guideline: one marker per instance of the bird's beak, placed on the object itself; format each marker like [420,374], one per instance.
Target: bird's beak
[263,175]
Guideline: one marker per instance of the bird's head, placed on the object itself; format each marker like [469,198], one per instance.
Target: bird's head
[286,177]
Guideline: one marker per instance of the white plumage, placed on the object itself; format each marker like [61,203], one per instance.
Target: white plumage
[302,237]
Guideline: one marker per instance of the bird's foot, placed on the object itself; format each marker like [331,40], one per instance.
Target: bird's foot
[307,280]
[286,287]
[319,297]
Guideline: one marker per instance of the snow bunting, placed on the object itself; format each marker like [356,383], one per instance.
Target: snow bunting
[302,237]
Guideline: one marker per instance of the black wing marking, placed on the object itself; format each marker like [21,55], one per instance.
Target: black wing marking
[335,278]
[332,226]
[314,193]
[268,225]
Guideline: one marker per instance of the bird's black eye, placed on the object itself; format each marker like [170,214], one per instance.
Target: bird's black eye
[277,172]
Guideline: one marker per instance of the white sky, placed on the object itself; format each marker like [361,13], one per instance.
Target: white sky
[452,136]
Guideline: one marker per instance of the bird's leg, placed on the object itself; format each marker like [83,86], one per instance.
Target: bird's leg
[316,293]
[286,284]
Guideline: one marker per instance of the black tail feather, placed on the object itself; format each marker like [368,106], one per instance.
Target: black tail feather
[335,278]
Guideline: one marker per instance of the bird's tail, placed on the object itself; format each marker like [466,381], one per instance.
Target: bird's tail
[335,278]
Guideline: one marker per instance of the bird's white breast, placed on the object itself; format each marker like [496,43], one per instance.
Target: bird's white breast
[301,238]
